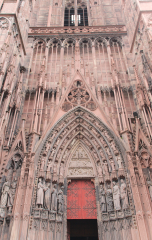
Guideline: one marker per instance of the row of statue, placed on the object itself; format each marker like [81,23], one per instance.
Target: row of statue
[49,199]
[114,199]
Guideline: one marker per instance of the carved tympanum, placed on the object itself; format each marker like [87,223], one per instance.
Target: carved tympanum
[80,164]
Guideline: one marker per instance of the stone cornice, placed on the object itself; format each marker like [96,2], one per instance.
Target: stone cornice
[111,29]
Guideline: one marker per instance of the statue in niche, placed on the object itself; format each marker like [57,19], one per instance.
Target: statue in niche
[123,195]
[105,167]
[102,154]
[99,169]
[102,199]
[112,164]
[149,183]
[5,197]
[52,152]
[62,169]
[50,165]
[13,190]
[66,153]
[109,199]
[40,193]
[47,146]
[116,196]
[42,164]
[107,136]
[55,168]
[108,151]
[114,147]
[54,198]
[47,196]
[119,161]
[60,200]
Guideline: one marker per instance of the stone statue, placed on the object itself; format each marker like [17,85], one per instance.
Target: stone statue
[99,169]
[105,167]
[47,196]
[40,193]
[13,190]
[109,199]
[50,165]
[47,146]
[149,183]
[54,198]
[113,146]
[112,164]
[119,162]
[108,151]
[55,168]
[62,169]
[116,196]
[5,197]
[123,194]
[102,199]
[42,163]
[60,200]
[10,168]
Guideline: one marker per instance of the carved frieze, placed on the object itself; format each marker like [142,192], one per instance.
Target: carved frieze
[79,30]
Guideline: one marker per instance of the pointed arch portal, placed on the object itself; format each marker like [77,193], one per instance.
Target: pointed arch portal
[81,155]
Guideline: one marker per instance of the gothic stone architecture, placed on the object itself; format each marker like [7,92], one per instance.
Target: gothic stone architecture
[75,119]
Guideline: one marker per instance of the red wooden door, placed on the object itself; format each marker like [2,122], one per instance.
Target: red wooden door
[81,201]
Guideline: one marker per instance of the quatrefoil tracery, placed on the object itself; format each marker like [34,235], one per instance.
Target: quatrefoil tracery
[78,95]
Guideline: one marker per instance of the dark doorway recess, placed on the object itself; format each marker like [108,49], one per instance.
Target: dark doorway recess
[83,229]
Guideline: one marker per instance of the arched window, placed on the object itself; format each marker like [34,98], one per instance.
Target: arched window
[82,17]
[75,14]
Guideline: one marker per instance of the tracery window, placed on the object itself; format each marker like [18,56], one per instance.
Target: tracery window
[76,13]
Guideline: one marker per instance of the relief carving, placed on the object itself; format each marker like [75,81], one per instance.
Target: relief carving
[80,164]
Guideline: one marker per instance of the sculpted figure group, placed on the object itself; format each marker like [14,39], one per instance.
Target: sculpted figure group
[9,185]
[49,199]
[115,198]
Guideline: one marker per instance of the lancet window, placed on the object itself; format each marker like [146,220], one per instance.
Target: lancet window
[76,14]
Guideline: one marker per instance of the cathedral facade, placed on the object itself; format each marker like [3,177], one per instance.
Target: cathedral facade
[75,119]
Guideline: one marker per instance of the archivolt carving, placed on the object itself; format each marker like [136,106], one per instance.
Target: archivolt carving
[80,127]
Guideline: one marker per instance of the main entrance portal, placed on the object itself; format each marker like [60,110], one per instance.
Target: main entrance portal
[81,210]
